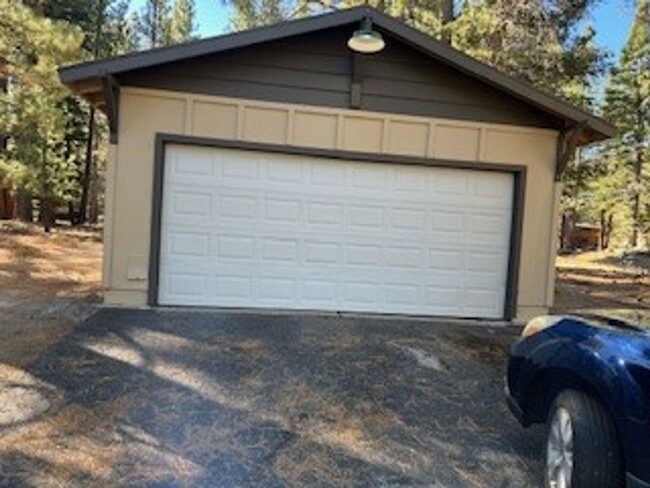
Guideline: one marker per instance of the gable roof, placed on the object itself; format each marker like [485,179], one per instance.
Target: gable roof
[594,127]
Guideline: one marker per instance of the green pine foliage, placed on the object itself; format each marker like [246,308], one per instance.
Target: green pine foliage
[541,43]
[33,112]
[162,23]
[182,23]
[248,14]
[621,185]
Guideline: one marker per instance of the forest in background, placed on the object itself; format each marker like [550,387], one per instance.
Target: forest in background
[53,146]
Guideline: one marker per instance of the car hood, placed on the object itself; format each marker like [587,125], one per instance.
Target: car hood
[626,340]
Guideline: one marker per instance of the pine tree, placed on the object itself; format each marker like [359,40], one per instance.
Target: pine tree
[153,22]
[161,23]
[182,23]
[430,16]
[107,32]
[537,42]
[628,106]
[253,13]
[37,158]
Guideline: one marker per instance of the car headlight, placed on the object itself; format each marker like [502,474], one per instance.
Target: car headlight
[540,323]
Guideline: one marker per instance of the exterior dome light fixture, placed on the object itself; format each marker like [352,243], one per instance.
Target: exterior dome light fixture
[366,40]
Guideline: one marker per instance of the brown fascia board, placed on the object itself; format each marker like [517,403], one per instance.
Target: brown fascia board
[600,129]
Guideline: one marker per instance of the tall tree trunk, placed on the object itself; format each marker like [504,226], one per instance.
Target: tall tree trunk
[4,211]
[72,217]
[636,207]
[446,15]
[47,212]
[88,169]
[89,160]
[610,227]
[638,169]
[606,223]
[93,199]
[25,212]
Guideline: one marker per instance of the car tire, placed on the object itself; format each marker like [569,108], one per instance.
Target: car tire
[582,448]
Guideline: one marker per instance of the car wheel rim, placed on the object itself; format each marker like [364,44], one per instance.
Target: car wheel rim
[559,450]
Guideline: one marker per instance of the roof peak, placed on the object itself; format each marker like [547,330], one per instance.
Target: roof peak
[426,44]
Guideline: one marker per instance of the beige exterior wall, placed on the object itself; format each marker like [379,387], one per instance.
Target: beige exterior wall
[143,113]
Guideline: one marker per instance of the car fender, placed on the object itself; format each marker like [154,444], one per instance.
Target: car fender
[591,361]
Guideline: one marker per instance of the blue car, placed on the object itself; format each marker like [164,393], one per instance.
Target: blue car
[589,380]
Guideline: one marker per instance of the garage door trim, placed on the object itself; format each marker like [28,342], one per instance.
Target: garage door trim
[518,172]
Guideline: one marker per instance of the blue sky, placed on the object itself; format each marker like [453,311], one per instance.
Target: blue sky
[611,18]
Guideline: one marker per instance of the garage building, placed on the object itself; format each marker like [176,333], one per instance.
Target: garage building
[277,168]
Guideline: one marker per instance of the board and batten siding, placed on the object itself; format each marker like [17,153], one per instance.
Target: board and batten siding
[146,112]
[318,69]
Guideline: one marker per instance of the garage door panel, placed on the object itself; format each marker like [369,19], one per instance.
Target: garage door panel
[189,287]
[284,210]
[324,214]
[237,206]
[283,250]
[186,167]
[320,291]
[363,176]
[270,230]
[405,257]
[363,255]
[238,167]
[481,300]
[322,252]
[408,179]
[449,182]
[328,175]
[284,171]
[233,287]
[189,244]
[238,247]
[186,204]
[408,219]
[444,279]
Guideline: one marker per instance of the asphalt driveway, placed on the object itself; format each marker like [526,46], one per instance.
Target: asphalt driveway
[174,398]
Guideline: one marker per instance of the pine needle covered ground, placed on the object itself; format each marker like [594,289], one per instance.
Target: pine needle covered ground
[605,283]
[48,284]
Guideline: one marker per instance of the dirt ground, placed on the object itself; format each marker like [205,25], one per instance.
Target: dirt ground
[48,284]
[605,283]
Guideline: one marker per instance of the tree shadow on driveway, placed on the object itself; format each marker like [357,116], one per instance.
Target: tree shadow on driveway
[191,398]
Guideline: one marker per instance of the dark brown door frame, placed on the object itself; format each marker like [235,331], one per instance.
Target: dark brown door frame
[516,229]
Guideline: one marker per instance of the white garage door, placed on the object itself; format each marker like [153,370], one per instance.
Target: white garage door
[253,229]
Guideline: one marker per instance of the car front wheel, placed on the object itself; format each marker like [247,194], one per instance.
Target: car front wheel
[582,449]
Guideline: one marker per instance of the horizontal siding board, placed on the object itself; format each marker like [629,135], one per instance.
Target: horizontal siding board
[331,41]
[431,73]
[421,91]
[446,110]
[276,58]
[252,90]
[256,74]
